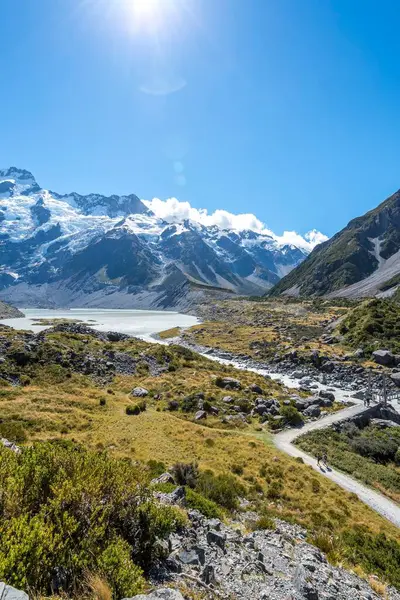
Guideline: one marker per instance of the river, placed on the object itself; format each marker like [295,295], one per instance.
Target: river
[139,323]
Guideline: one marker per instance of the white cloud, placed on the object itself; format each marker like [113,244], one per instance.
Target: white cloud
[175,211]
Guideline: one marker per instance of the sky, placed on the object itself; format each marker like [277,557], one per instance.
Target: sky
[285,110]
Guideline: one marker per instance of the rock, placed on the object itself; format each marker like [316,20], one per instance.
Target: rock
[383,357]
[383,423]
[302,585]
[326,395]
[160,594]
[359,353]
[214,537]
[297,374]
[328,367]
[229,383]
[139,392]
[201,414]
[302,403]
[227,399]
[164,478]
[9,593]
[312,411]
[188,557]
[256,389]
[208,574]
[395,377]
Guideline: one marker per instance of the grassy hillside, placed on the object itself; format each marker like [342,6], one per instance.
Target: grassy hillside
[373,324]
[62,394]
[348,257]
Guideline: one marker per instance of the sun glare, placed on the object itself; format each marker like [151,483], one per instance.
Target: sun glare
[149,13]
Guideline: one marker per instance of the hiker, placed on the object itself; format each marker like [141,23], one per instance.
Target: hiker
[319,458]
[325,458]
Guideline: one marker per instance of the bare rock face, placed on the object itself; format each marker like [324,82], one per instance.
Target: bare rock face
[9,593]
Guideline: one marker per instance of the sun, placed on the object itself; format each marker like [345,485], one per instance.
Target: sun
[146,9]
[149,14]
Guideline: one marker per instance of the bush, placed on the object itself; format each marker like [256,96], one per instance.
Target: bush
[66,506]
[156,467]
[102,402]
[291,415]
[185,474]
[133,409]
[375,553]
[223,489]
[397,457]
[264,522]
[198,502]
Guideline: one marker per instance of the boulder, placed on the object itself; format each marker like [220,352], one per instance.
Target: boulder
[214,537]
[139,392]
[395,377]
[164,478]
[383,357]
[227,399]
[328,367]
[201,414]
[326,395]
[160,594]
[312,411]
[256,389]
[229,383]
[9,593]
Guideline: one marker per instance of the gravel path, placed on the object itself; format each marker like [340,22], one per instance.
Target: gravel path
[378,502]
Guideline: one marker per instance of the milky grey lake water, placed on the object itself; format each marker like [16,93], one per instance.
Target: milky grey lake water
[140,323]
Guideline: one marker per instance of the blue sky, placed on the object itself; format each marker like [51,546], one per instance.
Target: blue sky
[288,109]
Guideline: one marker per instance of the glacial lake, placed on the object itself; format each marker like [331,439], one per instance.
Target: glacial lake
[139,323]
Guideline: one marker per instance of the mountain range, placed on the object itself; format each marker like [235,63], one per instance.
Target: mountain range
[362,260]
[93,250]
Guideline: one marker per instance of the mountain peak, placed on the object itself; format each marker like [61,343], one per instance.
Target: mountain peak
[20,176]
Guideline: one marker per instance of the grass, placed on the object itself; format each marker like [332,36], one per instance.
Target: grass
[169,333]
[373,324]
[375,468]
[263,329]
[58,404]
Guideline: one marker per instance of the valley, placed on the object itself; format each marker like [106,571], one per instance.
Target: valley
[158,405]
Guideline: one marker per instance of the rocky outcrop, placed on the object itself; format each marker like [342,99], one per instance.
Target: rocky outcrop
[9,312]
[222,560]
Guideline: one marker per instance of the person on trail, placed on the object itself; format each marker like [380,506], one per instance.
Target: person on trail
[319,458]
[325,458]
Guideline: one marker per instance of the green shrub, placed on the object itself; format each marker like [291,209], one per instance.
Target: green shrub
[63,505]
[102,402]
[397,457]
[207,507]
[133,409]
[224,489]
[156,467]
[264,522]
[375,553]
[291,415]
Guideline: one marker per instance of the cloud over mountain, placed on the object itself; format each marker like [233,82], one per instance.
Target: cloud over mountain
[175,211]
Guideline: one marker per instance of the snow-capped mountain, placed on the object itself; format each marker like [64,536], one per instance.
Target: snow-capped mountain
[74,250]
